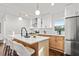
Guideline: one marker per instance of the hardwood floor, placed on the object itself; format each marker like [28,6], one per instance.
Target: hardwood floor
[55,53]
[1,49]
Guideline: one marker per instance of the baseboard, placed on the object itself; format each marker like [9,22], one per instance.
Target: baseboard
[67,55]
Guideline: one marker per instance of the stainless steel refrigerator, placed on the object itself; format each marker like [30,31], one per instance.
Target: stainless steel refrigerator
[71,36]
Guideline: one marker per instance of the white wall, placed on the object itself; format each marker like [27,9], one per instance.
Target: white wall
[12,24]
[59,15]
[2,25]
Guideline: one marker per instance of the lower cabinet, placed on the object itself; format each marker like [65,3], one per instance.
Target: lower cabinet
[56,44]
[52,43]
[59,41]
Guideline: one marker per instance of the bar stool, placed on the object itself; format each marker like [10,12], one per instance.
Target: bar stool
[12,48]
[8,47]
[12,51]
[23,51]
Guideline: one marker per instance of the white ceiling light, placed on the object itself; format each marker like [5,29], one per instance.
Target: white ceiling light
[26,15]
[37,12]
[52,4]
[20,18]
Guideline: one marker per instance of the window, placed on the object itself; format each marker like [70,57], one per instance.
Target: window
[59,26]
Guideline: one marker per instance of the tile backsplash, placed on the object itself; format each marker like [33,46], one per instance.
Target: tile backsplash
[47,30]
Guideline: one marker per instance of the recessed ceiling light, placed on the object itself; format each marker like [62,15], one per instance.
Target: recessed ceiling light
[26,15]
[20,18]
[52,4]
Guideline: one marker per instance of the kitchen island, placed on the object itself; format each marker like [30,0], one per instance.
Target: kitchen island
[37,43]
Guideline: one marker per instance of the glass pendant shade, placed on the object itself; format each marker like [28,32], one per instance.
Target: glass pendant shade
[37,12]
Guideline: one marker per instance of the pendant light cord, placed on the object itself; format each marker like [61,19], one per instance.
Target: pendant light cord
[37,6]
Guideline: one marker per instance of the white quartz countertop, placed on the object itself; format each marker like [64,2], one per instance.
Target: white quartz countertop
[52,34]
[30,40]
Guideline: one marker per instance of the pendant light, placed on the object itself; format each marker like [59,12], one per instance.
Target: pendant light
[52,4]
[37,12]
[20,18]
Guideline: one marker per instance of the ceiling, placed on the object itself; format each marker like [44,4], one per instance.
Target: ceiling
[22,9]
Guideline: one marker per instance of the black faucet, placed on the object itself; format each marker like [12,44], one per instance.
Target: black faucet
[25,31]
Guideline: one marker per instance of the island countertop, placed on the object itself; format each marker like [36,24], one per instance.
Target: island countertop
[30,40]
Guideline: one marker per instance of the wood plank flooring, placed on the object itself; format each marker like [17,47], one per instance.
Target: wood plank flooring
[55,53]
[1,49]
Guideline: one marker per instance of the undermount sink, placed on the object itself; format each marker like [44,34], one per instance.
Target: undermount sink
[26,36]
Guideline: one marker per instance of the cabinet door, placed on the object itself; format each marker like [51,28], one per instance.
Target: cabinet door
[70,10]
[52,42]
[59,42]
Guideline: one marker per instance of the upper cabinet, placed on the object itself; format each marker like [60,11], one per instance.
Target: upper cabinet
[36,23]
[42,22]
[46,22]
[77,5]
[71,10]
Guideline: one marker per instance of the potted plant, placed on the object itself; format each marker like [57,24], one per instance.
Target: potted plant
[59,29]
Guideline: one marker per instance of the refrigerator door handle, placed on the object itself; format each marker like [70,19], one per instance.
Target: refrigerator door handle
[70,40]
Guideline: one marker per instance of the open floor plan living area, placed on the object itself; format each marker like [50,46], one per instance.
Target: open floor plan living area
[39,29]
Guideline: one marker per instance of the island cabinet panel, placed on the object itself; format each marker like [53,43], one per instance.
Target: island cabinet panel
[45,45]
[52,42]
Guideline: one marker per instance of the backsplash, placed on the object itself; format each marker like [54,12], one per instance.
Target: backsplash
[41,30]
[44,31]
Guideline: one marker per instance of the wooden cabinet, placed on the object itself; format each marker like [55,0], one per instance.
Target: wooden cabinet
[56,42]
[71,10]
[44,44]
[52,42]
[59,41]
